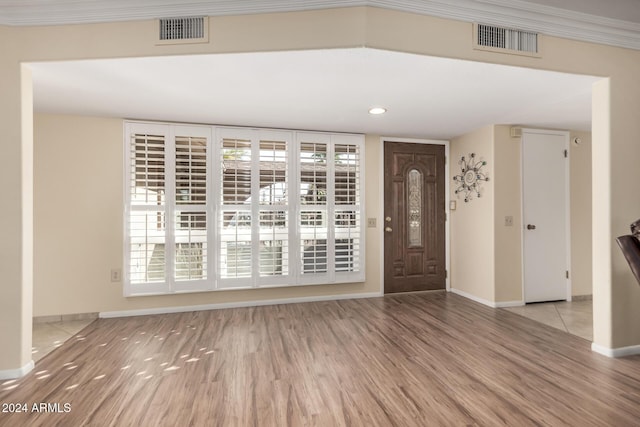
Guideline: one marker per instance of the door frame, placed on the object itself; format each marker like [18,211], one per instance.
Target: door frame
[446,202]
[567,201]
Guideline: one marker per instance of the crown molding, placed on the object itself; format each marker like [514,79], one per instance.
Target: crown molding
[527,16]
[65,12]
[570,24]
[518,14]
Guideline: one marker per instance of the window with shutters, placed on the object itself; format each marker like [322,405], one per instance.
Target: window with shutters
[330,190]
[190,249]
[255,207]
[211,208]
[146,219]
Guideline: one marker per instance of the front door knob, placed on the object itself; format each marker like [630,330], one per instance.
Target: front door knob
[388,229]
[531,227]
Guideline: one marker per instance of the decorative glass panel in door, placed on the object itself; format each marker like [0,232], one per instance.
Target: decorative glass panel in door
[414,211]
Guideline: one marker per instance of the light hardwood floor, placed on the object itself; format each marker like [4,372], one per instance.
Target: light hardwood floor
[429,359]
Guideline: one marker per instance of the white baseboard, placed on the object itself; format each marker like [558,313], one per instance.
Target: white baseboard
[11,374]
[183,309]
[487,302]
[472,297]
[616,352]
[503,304]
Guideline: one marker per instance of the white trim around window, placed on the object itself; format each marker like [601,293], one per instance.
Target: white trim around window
[212,208]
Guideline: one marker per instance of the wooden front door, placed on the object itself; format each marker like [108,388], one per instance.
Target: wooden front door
[414,219]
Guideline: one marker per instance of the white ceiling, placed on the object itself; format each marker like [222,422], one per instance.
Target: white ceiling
[317,90]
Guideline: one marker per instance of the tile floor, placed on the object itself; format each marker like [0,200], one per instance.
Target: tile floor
[51,334]
[575,317]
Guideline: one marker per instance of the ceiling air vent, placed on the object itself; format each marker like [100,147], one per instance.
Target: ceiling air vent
[194,29]
[507,40]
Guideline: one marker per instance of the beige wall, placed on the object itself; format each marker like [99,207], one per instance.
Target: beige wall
[471,226]
[581,221]
[506,288]
[320,29]
[615,129]
[78,213]
[601,214]
[508,202]
[16,212]
[624,206]
[78,224]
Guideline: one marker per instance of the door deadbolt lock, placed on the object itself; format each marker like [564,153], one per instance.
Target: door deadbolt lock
[388,229]
[388,219]
[531,227]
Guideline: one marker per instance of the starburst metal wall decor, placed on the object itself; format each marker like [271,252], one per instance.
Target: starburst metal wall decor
[470,177]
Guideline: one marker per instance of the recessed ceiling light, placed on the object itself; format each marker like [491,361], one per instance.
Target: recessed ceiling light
[377,110]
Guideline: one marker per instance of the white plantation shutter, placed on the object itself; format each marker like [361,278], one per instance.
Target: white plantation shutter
[273,205]
[191,170]
[146,208]
[347,218]
[147,246]
[331,208]
[191,207]
[235,219]
[248,208]
[167,208]
[314,199]
[254,215]
[191,246]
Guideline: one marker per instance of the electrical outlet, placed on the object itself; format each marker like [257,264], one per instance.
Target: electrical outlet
[116,275]
[508,221]
[371,222]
